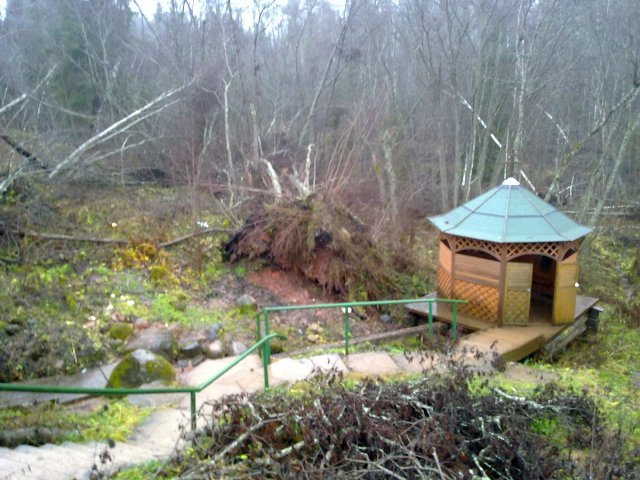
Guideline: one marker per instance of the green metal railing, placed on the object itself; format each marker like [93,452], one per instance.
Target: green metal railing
[346,309]
[262,342]
[192,391]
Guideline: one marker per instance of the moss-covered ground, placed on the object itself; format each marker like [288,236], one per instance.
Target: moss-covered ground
[103,420]
[67,305]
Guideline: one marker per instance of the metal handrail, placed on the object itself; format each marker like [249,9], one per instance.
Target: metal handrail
[17,387]
[346,309]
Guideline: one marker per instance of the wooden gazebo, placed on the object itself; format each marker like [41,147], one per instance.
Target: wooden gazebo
[512,256]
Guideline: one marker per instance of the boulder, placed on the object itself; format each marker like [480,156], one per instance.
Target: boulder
[238,348]
[213,331]
[214,350]
[140,323]
[190,348]
[314,328]
[156,339]
[140,367]
[246,303]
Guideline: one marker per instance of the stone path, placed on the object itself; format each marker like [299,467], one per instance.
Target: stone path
[161,433]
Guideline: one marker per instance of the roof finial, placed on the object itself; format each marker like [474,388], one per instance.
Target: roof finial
[511,182]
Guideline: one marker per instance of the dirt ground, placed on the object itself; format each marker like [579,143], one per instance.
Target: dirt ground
[279,287]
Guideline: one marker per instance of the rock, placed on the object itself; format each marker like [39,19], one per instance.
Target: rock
[213,331]
[238,348]
[121,331]
[386,318]
[139,367]
[156,339]
[140,323]
[190,349]
[12,328]
[314,328]
[197,360]
[214,350]
[313,338]
[246,302]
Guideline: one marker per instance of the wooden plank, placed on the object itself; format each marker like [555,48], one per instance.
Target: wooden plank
[478,270]
[444,313]
[524,349]
[564,297]
[445,257]
[583,304]
[511,343]
[517,293]
[560,342]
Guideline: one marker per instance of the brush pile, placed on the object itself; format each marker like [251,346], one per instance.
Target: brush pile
[447,428]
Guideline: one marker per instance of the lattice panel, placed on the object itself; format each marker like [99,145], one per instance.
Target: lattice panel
[543,248]
[555,250]
[482,301]
[444,283]
[464,243]
[516,307]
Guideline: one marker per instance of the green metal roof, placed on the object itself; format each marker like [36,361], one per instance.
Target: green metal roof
[509,213]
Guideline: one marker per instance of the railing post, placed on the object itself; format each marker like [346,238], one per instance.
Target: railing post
[267,345]
[430,319]
[192,394]
[454,334]
[346,329]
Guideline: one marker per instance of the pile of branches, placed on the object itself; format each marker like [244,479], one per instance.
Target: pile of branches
[319,239]
[432,428]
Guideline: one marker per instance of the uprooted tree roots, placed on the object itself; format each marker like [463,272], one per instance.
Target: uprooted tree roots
[431,428]
[325,242]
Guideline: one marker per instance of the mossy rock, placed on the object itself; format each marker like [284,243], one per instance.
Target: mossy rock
[121,331]
[139,367]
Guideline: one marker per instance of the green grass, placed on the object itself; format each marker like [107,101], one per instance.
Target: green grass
[139,472]
[114,420]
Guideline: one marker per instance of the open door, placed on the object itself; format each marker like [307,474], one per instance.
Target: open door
[565,291]
[517,293]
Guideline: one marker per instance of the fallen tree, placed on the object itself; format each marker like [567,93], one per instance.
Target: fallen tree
[323,241]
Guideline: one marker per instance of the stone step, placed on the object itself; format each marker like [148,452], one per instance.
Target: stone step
[160,434]
[9,468]
[55,460]
[372,364]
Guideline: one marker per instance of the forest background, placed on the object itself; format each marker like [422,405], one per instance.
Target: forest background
[408,106]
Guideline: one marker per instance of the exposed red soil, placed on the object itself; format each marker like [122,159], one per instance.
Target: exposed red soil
[290,286]
[293,288]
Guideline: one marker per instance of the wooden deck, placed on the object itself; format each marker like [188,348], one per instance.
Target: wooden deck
[511,342]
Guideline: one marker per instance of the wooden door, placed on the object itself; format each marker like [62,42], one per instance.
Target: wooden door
[517,293]
[565,291]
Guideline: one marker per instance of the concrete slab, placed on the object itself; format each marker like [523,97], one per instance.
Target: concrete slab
[372,363]
[418,362]
[290,370]
[92,378]
[208,368]
[326,363]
